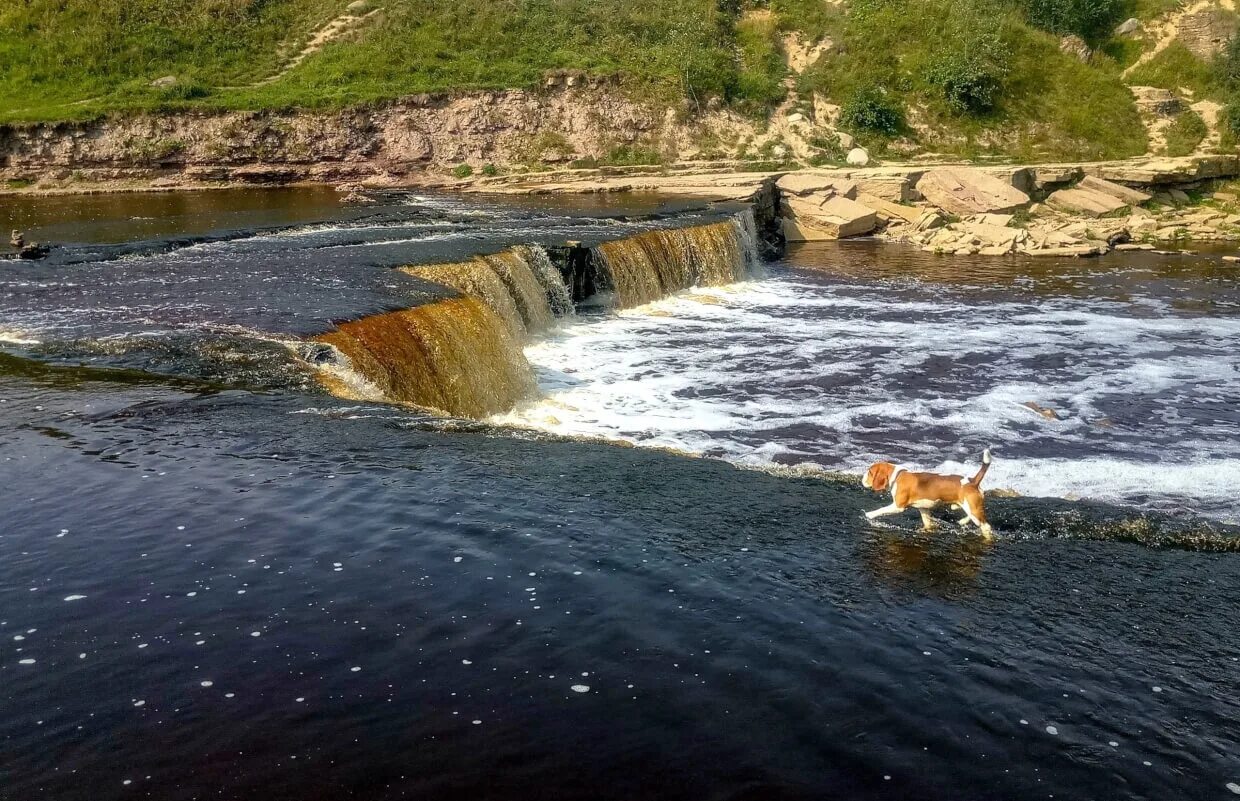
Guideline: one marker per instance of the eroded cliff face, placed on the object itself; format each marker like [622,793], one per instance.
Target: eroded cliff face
[556,125]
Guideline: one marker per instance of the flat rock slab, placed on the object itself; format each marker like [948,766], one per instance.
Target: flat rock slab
[888,209]
[1130,196]
[834,218]
[965,191]
[1087,202]
[806,183]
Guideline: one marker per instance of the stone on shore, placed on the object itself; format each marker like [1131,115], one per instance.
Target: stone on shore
[836,217]
[858,157]
[889,210]
[1088,202]
[802,184]
[1130,196]
[965,191]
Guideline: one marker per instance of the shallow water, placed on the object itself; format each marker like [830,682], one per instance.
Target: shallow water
[208,591]
[1114,379]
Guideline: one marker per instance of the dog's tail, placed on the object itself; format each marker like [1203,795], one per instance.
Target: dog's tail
[977,479]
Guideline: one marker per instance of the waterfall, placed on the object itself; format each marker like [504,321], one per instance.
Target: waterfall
[462,356]
[476,279]
[456,356]
[648,266]
[525,290]
[558,296]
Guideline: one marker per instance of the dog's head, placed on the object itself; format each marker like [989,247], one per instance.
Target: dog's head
[878,477]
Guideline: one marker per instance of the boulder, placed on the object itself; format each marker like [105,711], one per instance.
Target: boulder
[834,218]
[164,82]
[1056,174]
[858,157]
[929,220]
[1130,196]
[965,191]
[802,184]
[1128,27]
[1086,202]
[889,210]
[1075,46]
[996,220]
[847,142]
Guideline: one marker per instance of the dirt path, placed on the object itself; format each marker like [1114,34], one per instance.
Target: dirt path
[355,17]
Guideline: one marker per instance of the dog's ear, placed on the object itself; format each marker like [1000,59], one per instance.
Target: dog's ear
[880,475]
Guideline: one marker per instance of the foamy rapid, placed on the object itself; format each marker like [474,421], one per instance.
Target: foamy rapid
[1134,401]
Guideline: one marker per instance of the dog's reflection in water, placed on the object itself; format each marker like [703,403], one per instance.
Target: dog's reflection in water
[941,565]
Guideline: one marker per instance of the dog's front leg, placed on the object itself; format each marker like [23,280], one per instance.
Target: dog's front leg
[886,510]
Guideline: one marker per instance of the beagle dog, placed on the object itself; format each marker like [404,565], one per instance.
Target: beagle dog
[925,491]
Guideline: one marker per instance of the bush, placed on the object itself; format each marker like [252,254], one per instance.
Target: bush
[869,109]
[462,171]
[1092,20]
[969,82]
[1185,133]
[1227,64]
[490,170]
[1231,118]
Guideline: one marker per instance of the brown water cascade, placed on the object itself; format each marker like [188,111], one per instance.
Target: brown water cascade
[456,356]
[462,356]
[648,266]
[476,279]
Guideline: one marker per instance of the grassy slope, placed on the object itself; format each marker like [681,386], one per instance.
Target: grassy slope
[62,59]
[1049,105]
[72,59]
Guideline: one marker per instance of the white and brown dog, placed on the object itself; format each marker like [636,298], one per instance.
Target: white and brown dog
[925,491]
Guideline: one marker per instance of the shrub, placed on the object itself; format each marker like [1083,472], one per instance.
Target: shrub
[1231,118]
[462,171]
[970,83]
[1092,20]
[869,109]
[1185,133]
[1227,64]
[490,170]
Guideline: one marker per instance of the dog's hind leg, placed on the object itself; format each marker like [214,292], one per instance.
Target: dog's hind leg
[927,522]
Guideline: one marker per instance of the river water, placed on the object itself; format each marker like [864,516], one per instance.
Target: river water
[219,582]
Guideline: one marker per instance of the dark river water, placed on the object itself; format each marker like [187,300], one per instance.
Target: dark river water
[217,581]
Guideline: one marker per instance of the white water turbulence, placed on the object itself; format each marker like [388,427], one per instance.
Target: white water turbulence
[1129,401]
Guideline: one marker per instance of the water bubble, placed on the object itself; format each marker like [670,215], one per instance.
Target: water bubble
[1052,730]
[355,669]
[580,688]
[1157,689]
[466,662]
[26,661]
[207,683]
[139,703]
[477,722]
[74,597]
[1235,788]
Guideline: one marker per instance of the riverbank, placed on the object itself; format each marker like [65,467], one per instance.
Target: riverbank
[1067,209]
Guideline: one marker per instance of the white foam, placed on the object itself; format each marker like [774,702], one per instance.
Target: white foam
[791,372]
[74,597]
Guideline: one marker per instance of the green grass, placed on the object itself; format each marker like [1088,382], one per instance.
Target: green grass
[1185,133]
[1045,104]
[1175,68]
[72,59]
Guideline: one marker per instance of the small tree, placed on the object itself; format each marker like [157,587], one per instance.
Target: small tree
[869,109]
[1092,20]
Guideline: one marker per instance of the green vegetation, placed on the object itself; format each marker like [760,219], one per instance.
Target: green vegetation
[1185,133]
[868,109]
[1092,20]
[971,77]
[462,171]
[1175,68]
[70,59]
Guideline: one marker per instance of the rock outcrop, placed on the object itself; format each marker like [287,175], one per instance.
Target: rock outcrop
[964,191]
